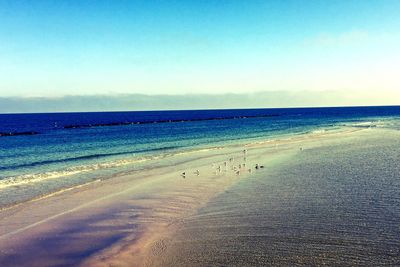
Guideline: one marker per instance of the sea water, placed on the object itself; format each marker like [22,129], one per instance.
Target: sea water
[43,153]
[336,203]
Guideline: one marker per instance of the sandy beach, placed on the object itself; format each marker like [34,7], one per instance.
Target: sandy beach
[158,217]
[199,133]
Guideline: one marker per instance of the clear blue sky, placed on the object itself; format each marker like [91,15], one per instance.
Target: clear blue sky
[55,48]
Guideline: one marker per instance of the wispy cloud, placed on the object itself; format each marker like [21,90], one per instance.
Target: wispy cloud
[344,38]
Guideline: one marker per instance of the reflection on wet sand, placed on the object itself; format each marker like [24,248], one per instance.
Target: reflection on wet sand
[321,204]
[96,224]
[335,205]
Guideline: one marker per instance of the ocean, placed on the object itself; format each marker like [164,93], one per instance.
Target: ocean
[45,153]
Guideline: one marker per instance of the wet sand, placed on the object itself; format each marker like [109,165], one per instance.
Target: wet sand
[337,204]
[156,217]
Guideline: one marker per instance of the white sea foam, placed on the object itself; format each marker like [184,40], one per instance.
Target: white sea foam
[364,124]
[39,177]
[319,131]
[393,123]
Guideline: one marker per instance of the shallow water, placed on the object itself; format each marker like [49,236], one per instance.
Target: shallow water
[104,144]
[338,204]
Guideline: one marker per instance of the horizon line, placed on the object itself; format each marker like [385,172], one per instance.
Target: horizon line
[165,110]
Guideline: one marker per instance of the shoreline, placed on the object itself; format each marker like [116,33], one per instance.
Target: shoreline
[336,203]
[144,163]
[150,203]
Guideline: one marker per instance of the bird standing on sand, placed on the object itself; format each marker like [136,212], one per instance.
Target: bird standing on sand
[219,168]
[183,174]
[197,172]
[259,166]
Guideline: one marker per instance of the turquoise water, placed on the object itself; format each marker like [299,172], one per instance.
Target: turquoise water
[42,153]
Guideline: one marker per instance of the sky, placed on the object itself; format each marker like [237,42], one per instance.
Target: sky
[59,48]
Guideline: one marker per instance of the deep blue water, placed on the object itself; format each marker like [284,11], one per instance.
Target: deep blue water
[83,143]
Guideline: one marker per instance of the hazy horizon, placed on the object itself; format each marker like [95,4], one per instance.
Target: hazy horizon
[143,102]
[57,49]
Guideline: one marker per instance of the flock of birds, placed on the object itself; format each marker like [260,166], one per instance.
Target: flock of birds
[238,168]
